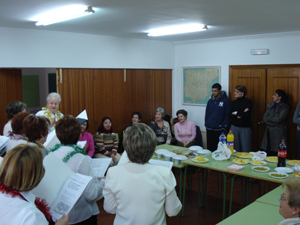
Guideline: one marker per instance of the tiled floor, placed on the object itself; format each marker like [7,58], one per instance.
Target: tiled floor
[211,213]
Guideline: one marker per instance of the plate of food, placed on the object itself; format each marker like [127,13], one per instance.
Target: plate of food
[258,162]
[199,159]
[177,151]
[284,169]
[272,159]
[296,174]
[260,168]
[293,162]
[190,155]
[244,155]
[278,175]
[240,161]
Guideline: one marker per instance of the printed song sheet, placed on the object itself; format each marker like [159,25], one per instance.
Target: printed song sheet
[167,164]
[100,166]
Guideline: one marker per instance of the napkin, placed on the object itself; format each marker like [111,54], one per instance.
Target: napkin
[296,167]
[235,167]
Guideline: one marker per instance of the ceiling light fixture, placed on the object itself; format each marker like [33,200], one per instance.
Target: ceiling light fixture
[177,30]
[64,14]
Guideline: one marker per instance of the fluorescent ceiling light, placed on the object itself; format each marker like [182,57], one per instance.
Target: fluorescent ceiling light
[63,14]
[177,30]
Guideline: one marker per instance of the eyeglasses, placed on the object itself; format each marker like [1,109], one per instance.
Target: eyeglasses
[282,198]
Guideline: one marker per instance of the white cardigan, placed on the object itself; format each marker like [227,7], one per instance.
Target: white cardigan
[140,194]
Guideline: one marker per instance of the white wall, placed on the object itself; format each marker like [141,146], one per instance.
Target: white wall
[26,48]
[283,50]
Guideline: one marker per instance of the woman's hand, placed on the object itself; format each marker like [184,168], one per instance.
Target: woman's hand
[63,220]
[113,156]
[100,178]
[53,122]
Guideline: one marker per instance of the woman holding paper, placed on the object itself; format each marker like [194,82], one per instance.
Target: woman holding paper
[122,192]
[68,131]
[51,110]
[17,204]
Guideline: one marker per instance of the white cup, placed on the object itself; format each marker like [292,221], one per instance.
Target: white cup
[158,155]
[168,157]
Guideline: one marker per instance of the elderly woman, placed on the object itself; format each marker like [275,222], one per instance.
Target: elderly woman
[12,109]
[240,115]
[106,142]
[290,202]
[122,192]
[68,131]
[21,171]
[185,131]
[275,119]
[17,135]
[36,130]
[161,127]
[51,111]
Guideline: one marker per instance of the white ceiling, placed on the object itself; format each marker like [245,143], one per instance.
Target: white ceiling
[132,18]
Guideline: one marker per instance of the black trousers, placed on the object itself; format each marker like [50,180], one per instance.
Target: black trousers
[212,139]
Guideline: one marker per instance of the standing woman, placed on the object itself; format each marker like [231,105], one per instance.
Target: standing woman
[275,119]
[51,111]
[161,127]
[185,131]
[240,115]
[296,120]
[106,142]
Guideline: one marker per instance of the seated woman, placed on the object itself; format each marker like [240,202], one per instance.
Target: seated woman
[185,131]
[17,135]
[21,171]
[88,137]
[290,202]
[36,130]
[106,142]
[161,127]
[85,211]
[122,191]
[12,109]
[51,111]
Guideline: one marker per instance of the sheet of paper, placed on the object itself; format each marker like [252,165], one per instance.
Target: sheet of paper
[68,195]
[167,164]
[3,141]
[124,158]
[56,174]
[81,144]
[1,160]
[52,140]
[100,165]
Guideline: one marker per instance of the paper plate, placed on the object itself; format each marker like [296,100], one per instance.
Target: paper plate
[278,175]
[161,151]
[241,163]
[195,148]
[271,159]
[203,151]
[259,169]
[284,170]
[244,155]
[200,161]
[263,163]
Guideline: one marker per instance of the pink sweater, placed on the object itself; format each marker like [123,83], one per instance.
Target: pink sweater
[90,148]
[185,131]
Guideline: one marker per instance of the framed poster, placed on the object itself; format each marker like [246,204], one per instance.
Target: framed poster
[197,82]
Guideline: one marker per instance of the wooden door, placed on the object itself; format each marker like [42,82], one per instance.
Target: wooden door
[10,90]
[255,82]
[287,79]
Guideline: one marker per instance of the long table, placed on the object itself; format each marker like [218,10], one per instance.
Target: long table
[221,166]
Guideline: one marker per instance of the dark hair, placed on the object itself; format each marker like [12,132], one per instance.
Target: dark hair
[136,113]
[17,122]
[35,127]
[241,88]
[217,85]
[87,124]
[68,130]
[13,108]
[284,97]
[140,142]
[101,127]
[182,111]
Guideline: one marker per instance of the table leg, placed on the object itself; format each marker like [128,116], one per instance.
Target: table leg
[199,194]
[242,192]
[224,197]
[218,184]
[183,194]
[231,194]
[266,183]
[205,187]
[180,186]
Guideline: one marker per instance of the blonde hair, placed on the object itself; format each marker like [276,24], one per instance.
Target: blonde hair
[140,142]
[293,185]
[22,167]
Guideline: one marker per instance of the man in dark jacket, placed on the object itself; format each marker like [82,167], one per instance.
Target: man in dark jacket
[216,116]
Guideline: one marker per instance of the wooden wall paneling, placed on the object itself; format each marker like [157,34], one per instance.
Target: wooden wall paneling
[10,90]
[287,79]
[255,82]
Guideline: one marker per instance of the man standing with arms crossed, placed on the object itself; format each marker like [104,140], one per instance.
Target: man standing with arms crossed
[216,116]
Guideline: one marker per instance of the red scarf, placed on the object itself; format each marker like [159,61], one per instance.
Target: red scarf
[107,131]
[39,203]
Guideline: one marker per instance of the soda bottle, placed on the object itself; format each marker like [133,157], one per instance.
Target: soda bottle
[222,138]
[230,140]
[282,152]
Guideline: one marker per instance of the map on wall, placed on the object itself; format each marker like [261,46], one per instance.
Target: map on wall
[197,82]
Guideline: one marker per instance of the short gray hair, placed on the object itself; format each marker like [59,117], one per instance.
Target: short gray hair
[161,110]
[53,95]
[140,142]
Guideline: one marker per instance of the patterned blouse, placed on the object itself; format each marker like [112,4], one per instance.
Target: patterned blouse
[163,134]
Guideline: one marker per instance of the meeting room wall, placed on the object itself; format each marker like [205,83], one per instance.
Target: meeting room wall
[283,49]
[25,48]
